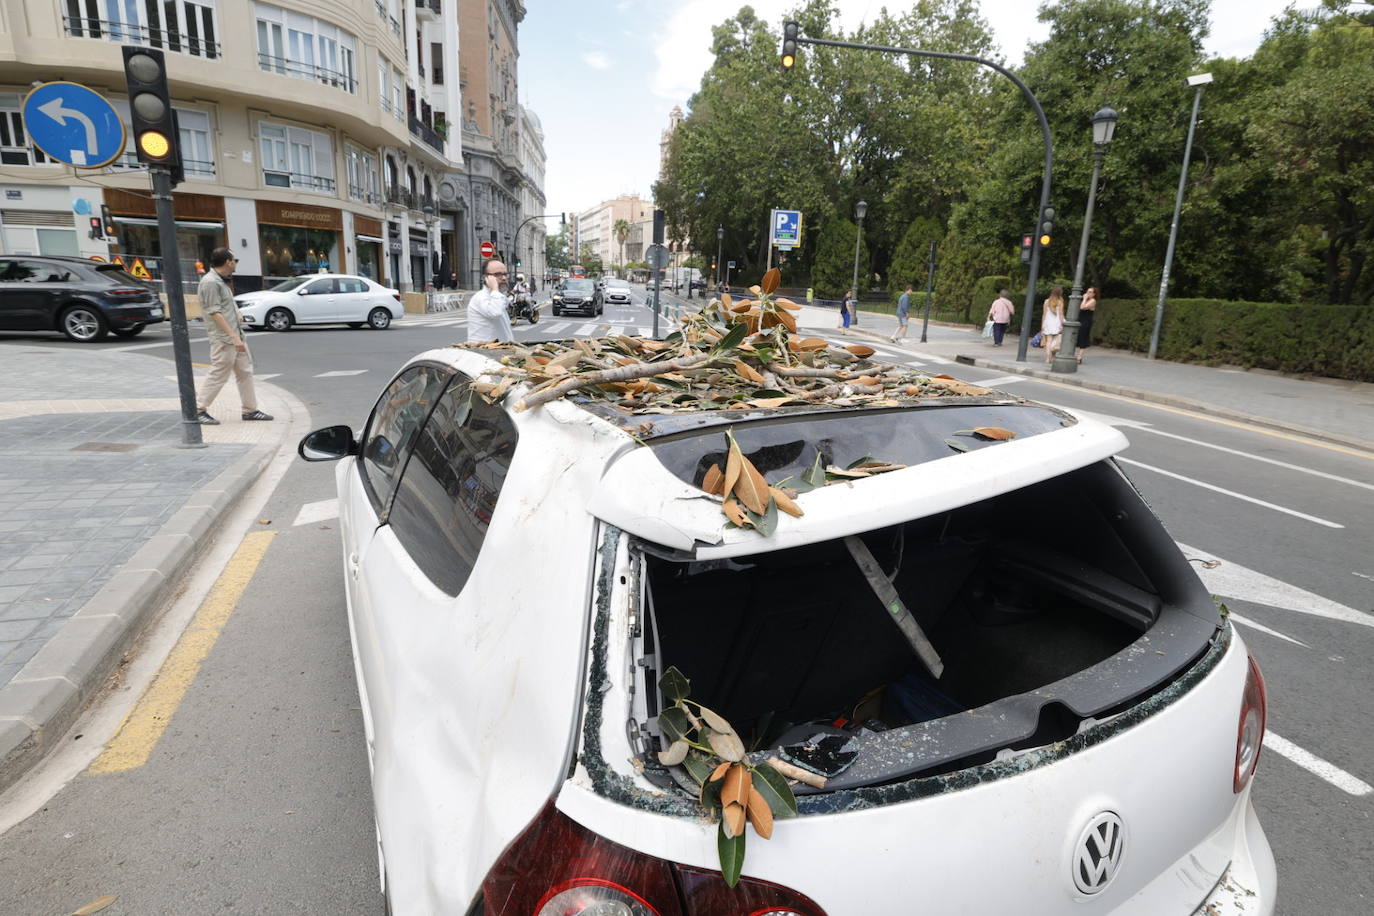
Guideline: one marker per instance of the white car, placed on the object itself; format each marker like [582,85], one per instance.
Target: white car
[321,299]
[519,583]
[617,291]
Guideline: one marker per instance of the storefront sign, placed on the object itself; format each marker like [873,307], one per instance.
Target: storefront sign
[419,248]
[300,215]
[394,246]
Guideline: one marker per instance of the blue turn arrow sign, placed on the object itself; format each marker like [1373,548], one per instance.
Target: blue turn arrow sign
[74,124]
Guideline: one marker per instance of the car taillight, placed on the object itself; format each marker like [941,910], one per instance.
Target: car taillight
[1250,732]
[126,291]
[396,296]
[557,867]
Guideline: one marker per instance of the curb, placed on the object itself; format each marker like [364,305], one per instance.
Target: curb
[55,686]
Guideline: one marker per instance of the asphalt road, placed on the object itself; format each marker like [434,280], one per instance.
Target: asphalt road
[256,798]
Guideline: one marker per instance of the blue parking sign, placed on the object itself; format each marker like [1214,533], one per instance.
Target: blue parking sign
[73,124]
[785,228]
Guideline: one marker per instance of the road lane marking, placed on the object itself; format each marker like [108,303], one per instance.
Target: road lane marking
[1315,765]
[1249,499]
[263,378]
[588,329]
[1000,381]
[147,346]
[1150,428]
[1252,625]
[340,372]
[1231,580]
[136,737]
[320,511]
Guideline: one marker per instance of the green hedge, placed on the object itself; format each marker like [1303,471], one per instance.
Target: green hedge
[1336,341]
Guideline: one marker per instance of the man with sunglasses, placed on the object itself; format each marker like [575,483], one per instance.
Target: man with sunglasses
[488,318]
[228,349]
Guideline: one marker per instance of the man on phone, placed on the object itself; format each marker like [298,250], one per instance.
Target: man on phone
[488,317]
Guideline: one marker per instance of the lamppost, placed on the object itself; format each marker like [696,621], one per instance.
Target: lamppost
[720,245]
[430,221]
[1198,80]
[860,210]
[1104,128]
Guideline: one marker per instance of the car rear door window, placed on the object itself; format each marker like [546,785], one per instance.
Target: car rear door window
[396,419]
[351,285]
[448,493]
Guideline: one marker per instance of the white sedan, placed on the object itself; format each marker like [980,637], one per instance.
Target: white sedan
[321,299]
[617,291]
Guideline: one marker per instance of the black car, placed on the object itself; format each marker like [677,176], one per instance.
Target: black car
[578,295]
[83,299]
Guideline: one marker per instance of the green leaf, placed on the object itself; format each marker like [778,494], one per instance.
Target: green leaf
[773,786]
[769,393]
[460,416]
[732,339]
[766,523]
[957,445]
[673,338]
[674,684]
[697,767]
[674,724]
[867,459]
[815,475]
[710,792]
[731,849]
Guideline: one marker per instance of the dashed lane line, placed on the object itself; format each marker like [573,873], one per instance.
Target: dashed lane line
[1322,769]
[138,735]
[1232,493]
[337,373]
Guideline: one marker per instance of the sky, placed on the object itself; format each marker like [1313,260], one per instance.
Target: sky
[602,75]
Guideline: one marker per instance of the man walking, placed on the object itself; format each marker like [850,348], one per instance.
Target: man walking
[1000,315]
[903,308]
[228,349]
[488,317]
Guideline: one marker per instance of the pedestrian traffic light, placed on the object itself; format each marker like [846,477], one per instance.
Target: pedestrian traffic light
[1046,227]
[1027,243]
[150,107]
[97,228]
[790,30]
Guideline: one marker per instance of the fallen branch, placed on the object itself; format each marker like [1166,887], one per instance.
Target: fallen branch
[810,372]
[840,391]
[797,773]
[619,374]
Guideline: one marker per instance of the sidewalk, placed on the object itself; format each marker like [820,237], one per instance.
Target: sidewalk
[101,513]
[1331,410]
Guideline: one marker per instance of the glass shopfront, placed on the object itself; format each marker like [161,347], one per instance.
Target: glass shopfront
[139,240]
[369,257]
[288,251]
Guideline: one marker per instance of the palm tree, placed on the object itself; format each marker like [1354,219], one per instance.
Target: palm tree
[621,230]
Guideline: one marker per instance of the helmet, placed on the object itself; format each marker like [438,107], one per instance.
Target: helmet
[520,277]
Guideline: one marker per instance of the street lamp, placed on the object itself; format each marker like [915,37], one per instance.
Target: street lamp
[430,220]
[720,244]
[1104,128]
[1198,80]
[860,210]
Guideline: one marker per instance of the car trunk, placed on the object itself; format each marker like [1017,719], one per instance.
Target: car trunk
[1045,608]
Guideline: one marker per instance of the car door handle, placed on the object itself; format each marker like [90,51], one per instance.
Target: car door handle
[353,565]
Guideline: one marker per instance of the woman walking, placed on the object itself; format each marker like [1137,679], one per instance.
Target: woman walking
[1052,323]
[1086,309]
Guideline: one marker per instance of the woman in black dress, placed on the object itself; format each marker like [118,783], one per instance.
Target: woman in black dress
[1086,309]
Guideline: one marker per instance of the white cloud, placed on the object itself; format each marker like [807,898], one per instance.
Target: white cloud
[596,60]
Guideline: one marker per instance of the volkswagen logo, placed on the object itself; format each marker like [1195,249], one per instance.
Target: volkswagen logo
[1097,854]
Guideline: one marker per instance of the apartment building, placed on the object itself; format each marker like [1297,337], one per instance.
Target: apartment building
[314,134]
[596,227]
[533,204]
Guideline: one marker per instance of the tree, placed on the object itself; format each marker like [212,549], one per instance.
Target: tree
[834,269]
[556,250]
[621,229]
[912,258]
[589,259]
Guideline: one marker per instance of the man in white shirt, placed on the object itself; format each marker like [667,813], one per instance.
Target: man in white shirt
[488,318]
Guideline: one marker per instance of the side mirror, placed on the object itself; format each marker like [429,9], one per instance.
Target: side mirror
[328,444]
[302,291]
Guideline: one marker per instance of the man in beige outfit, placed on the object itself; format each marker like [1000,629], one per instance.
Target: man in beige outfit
[228,349]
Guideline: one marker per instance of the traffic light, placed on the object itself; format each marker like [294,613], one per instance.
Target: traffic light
[1027,243]
[150,107]
[790,30]
[111,230]
[97,228]
[1047,227]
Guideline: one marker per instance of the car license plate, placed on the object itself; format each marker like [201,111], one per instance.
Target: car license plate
[155,313]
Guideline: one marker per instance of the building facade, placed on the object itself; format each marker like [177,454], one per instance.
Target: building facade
[313,135]
[596,228]
[532,231]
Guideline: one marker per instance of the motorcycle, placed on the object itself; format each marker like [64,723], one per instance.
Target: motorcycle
[523,305]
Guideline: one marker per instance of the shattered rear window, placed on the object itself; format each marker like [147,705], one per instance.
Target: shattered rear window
[787,446]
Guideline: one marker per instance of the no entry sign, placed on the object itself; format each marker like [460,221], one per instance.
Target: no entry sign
[488,250]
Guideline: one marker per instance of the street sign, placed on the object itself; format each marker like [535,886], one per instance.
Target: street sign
[785,228]
[73,124]
[658,257]
[730,264]
[488,250]
[138,270]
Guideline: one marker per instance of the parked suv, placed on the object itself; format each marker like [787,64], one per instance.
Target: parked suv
[1004,687]
[83,299]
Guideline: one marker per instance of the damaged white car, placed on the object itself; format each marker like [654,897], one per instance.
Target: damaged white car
[988,677]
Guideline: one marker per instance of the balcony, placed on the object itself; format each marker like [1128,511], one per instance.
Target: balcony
[308,72]
[359,193]
[397,196]
[128,34]
[426,133]
[427,10]
[298,181]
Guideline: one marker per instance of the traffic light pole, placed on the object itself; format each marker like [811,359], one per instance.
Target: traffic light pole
[1024,343]
[176,304]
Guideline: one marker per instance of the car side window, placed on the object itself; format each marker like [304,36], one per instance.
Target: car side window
[26,272]
[320,287]
[448,494]
[391,431]
[351,285]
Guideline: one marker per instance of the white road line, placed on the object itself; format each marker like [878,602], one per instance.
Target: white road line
[340,372]
[558,327]
[1249,499]
[1263,629]
[320,511]
[1232,580]
[587,330]
[263,378]
[1001,381]
[1316,766]
[147,346]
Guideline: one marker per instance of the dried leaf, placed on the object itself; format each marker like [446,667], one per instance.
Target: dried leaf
[727,745]
[861,351]
[675,754]
[749,487]
[735,514]
[725,300]
[760,815]
[994,432]
[811,343]
[720,771]
[732,817]
[836,471]
[756,289]
[734,464]
[567,359]
[714,482]
[785,503]
[788,321]
[737,786]
[771,402]
[731,851]
[98,904]
[749,372]
[715,720]
[787,303]
[771,279]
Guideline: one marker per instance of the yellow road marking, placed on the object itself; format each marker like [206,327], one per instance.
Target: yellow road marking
[202,365]
[138,734]
[1303,440]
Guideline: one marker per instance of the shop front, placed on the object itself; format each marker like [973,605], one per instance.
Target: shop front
[199,226]
[419,264]
[299,239]
[394,250]
[367,246]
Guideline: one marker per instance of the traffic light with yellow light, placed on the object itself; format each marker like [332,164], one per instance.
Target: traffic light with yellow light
[1047,227]
[150,108]
[111,230]
[790,31]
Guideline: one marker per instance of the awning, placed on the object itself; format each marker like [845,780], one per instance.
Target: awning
[368,238]
[181,223]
